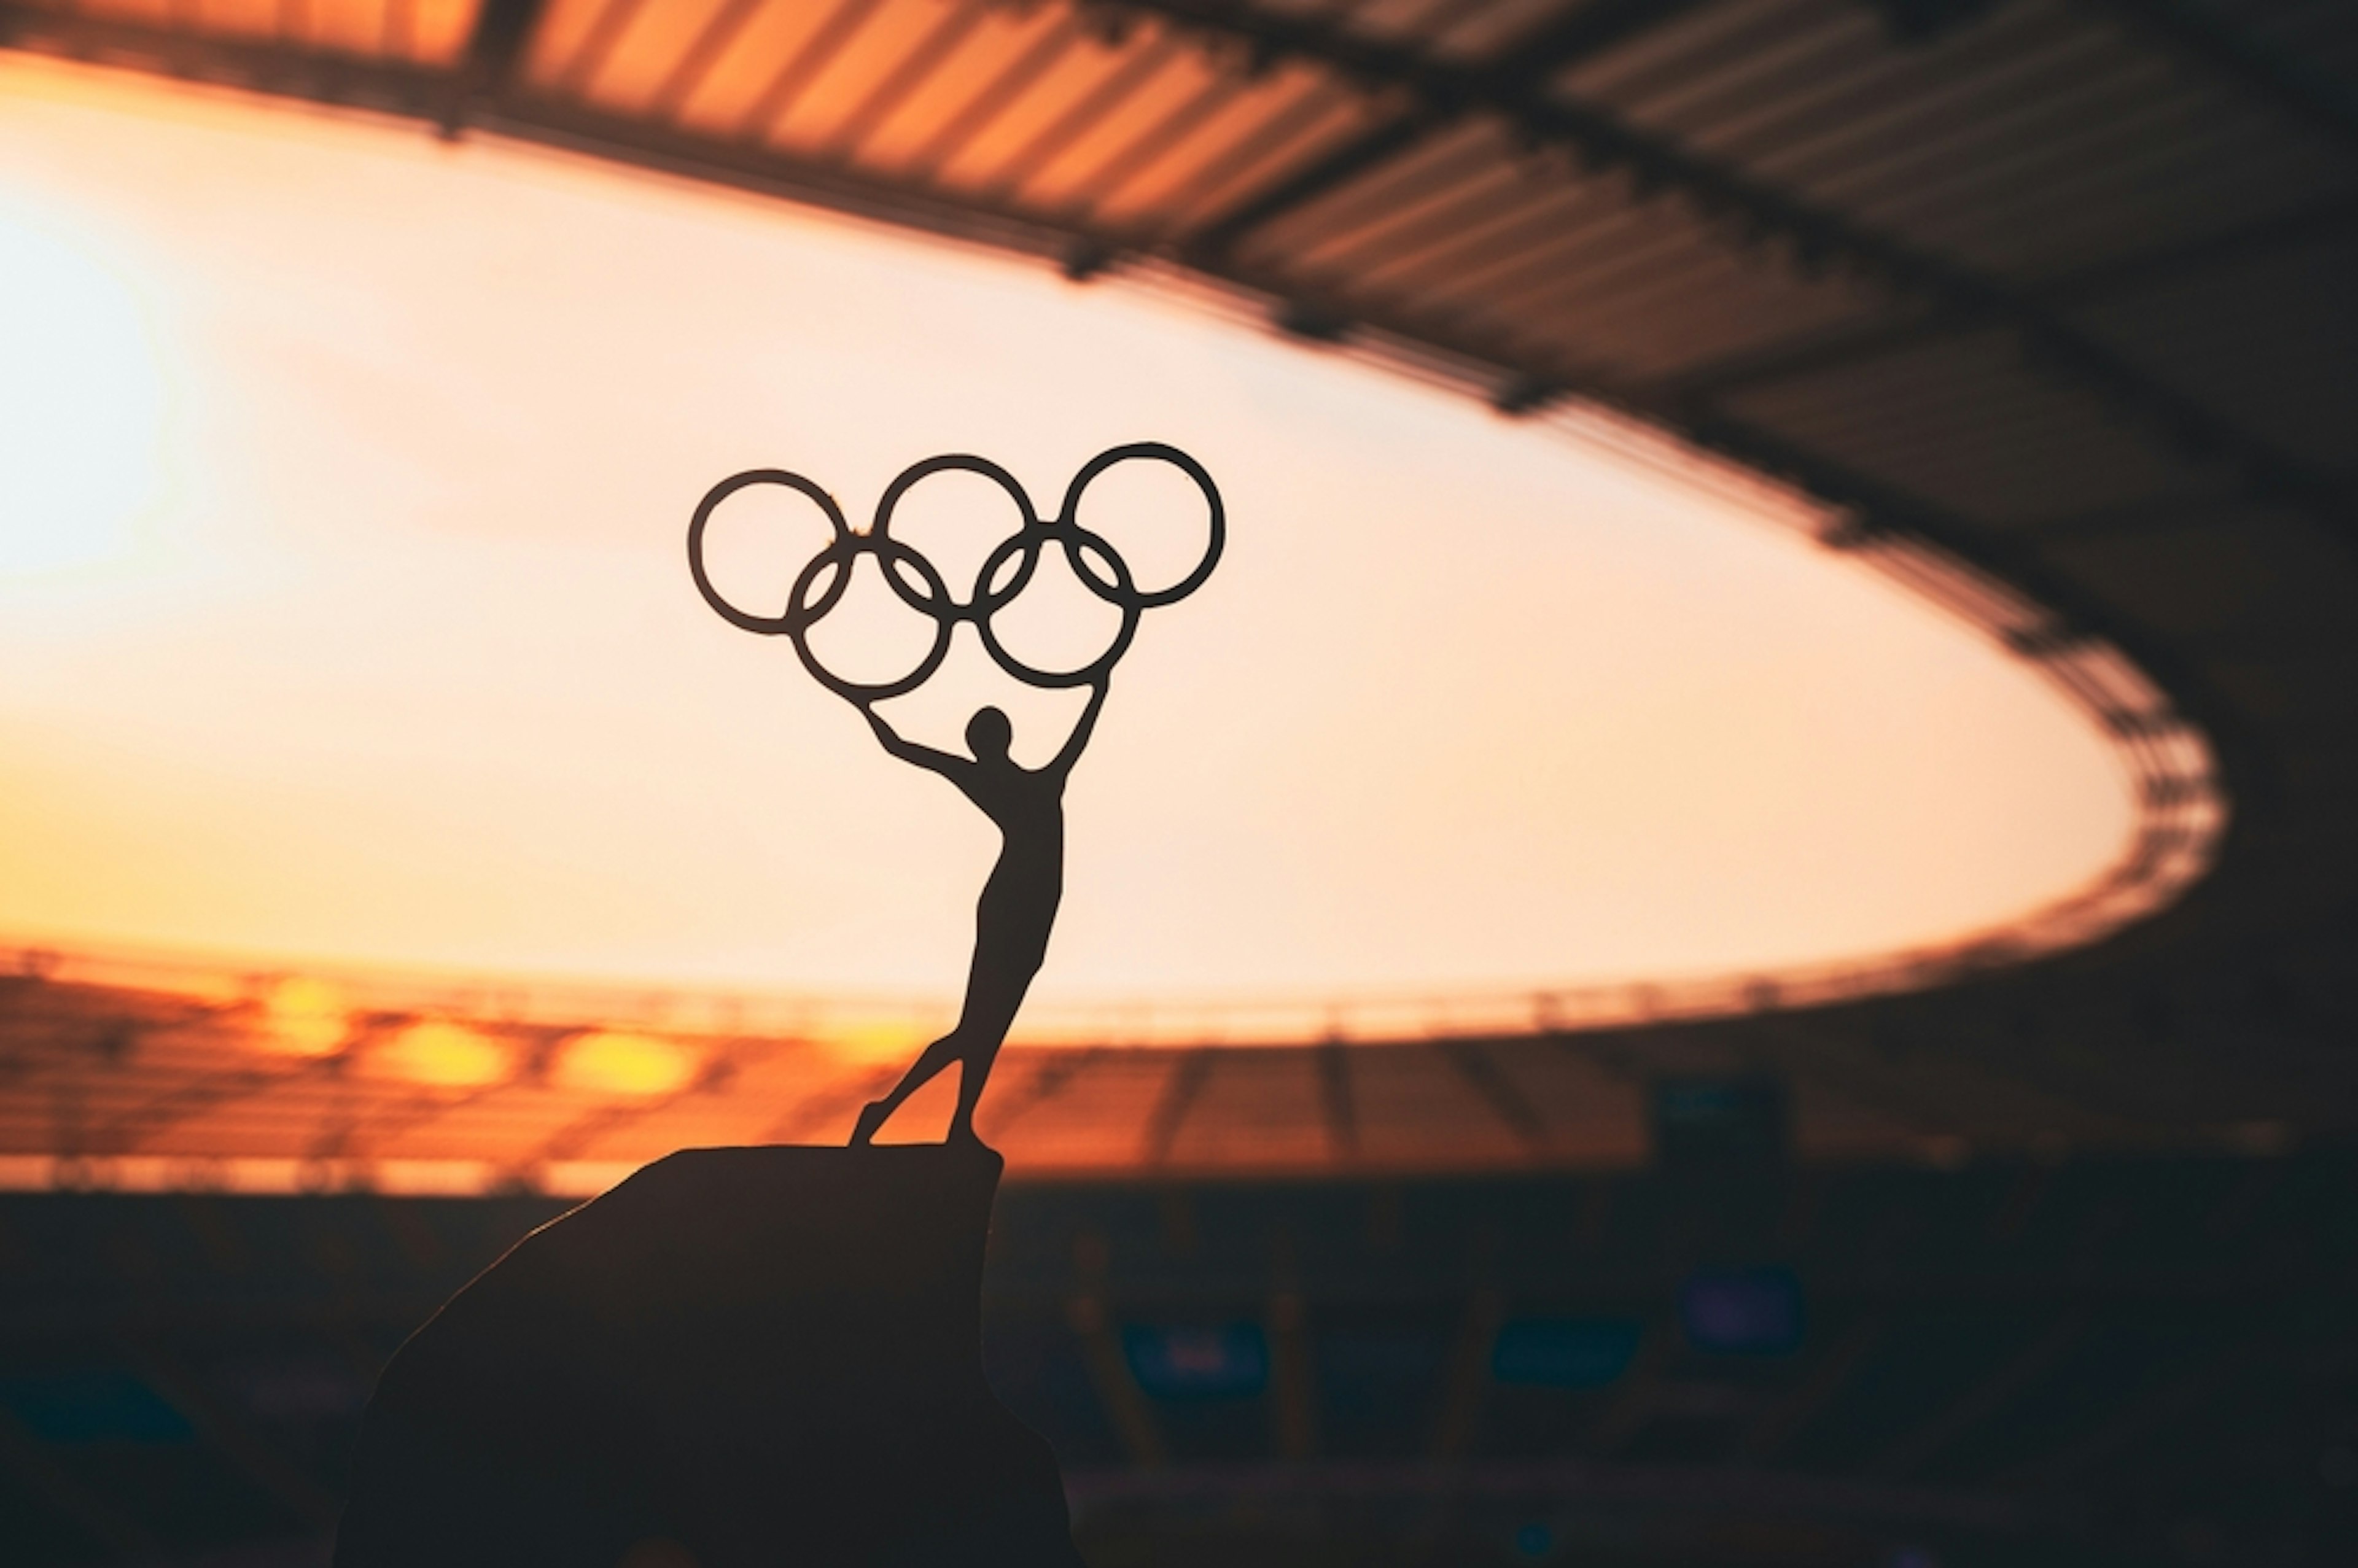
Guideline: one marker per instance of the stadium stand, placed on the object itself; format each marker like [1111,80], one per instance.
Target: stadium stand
[2101,1360]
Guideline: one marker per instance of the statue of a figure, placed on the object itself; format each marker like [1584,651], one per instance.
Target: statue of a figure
[1019,903]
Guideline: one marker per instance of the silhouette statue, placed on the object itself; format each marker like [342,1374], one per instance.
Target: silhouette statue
[752,1357]
[1019,903]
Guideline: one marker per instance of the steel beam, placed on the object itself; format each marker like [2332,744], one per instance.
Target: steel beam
[489,66]
[496,45]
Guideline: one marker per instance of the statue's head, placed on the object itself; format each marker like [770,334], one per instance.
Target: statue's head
[988,734]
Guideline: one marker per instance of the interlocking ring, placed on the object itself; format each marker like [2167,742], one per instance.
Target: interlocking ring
[1185,464]
[822,582]
[768,625]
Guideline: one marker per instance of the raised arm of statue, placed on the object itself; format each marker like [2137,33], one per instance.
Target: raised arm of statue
[1063,762]
[943,762]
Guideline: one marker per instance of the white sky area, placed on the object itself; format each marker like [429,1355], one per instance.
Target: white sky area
[344,613]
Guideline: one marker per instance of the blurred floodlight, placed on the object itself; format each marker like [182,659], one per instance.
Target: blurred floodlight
[307,1017]
[613,1062]
[442,1054]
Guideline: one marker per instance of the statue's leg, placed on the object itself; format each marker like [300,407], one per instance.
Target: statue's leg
[971,1081]
[996,979]
[995,998]
[949,1048]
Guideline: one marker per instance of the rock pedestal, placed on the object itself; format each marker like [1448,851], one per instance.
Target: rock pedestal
[737,1358]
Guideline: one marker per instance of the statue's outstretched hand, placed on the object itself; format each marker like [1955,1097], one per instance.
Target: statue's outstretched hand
[908,750]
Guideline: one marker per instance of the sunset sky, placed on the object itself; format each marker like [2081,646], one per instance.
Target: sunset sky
[343,614]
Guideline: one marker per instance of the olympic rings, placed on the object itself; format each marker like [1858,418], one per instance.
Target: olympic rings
[823,580]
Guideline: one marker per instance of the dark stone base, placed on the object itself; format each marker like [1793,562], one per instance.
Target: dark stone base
[738,1358]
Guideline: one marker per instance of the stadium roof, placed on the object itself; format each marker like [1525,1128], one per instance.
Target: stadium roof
[2051,298]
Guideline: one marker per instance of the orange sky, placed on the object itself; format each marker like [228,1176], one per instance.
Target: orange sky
[342,613]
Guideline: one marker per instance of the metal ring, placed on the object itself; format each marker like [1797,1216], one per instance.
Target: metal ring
[1214,544]
[844,555]
[956,462]
[988,601]
[767,625]
[1074,539]
[930,595]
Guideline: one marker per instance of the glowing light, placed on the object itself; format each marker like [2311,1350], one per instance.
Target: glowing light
[612,1061]
[307,1017]
[82,403]
[442,1054]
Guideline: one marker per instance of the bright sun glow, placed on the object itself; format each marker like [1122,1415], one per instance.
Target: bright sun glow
[81,399]
[418,676]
